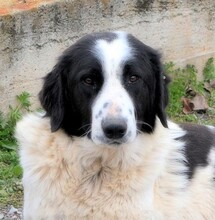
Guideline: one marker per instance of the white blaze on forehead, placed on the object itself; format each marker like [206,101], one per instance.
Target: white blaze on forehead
[113,53]
[113,101]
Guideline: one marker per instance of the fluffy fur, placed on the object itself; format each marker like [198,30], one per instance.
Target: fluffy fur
[105,149]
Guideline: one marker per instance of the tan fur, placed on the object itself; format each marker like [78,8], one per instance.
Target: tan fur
[72,178]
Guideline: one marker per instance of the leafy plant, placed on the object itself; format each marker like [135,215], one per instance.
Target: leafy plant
[209,70]
[10,170]
[7,123]
[209,75]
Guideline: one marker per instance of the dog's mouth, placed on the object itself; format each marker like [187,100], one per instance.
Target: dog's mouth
[102,140]
[115,142]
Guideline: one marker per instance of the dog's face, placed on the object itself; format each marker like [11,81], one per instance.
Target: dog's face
[108,86]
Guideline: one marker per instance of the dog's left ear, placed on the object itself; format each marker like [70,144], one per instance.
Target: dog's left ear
[161,90]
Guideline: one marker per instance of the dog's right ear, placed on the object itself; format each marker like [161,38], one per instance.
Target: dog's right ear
[52,98]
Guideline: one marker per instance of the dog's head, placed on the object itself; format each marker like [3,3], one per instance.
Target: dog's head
[108,86]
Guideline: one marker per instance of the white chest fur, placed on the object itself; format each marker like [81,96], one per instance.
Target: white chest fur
[71,178]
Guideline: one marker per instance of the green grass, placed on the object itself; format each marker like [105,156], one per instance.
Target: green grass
[10,179]
[186,78]
[10,170]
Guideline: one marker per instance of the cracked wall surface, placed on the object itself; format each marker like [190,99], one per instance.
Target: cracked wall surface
[31,40]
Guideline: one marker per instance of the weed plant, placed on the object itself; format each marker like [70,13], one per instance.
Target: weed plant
[10,170]
[185,78]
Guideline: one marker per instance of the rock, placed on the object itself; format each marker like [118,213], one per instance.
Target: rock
[1,216]
[9,213]
[12,210]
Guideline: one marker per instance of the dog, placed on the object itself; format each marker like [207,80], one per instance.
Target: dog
[105,149]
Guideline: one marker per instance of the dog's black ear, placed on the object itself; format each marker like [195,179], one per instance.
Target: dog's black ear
[51,97]
[161,96]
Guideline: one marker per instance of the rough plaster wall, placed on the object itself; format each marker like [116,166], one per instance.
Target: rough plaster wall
[31,41]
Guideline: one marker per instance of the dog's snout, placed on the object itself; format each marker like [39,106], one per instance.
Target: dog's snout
[114,128]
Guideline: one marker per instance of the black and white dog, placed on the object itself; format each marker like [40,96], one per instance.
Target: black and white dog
[105,149]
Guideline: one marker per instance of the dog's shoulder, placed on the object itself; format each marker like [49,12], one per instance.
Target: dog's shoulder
[35,139]
[31,123]
[31,129]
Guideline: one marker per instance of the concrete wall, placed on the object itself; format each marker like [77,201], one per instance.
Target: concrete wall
[31,41]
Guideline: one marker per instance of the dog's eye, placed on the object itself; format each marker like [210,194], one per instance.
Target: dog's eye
[89,81]
[133,78]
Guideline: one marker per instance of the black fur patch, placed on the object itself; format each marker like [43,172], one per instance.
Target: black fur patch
[198,142]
